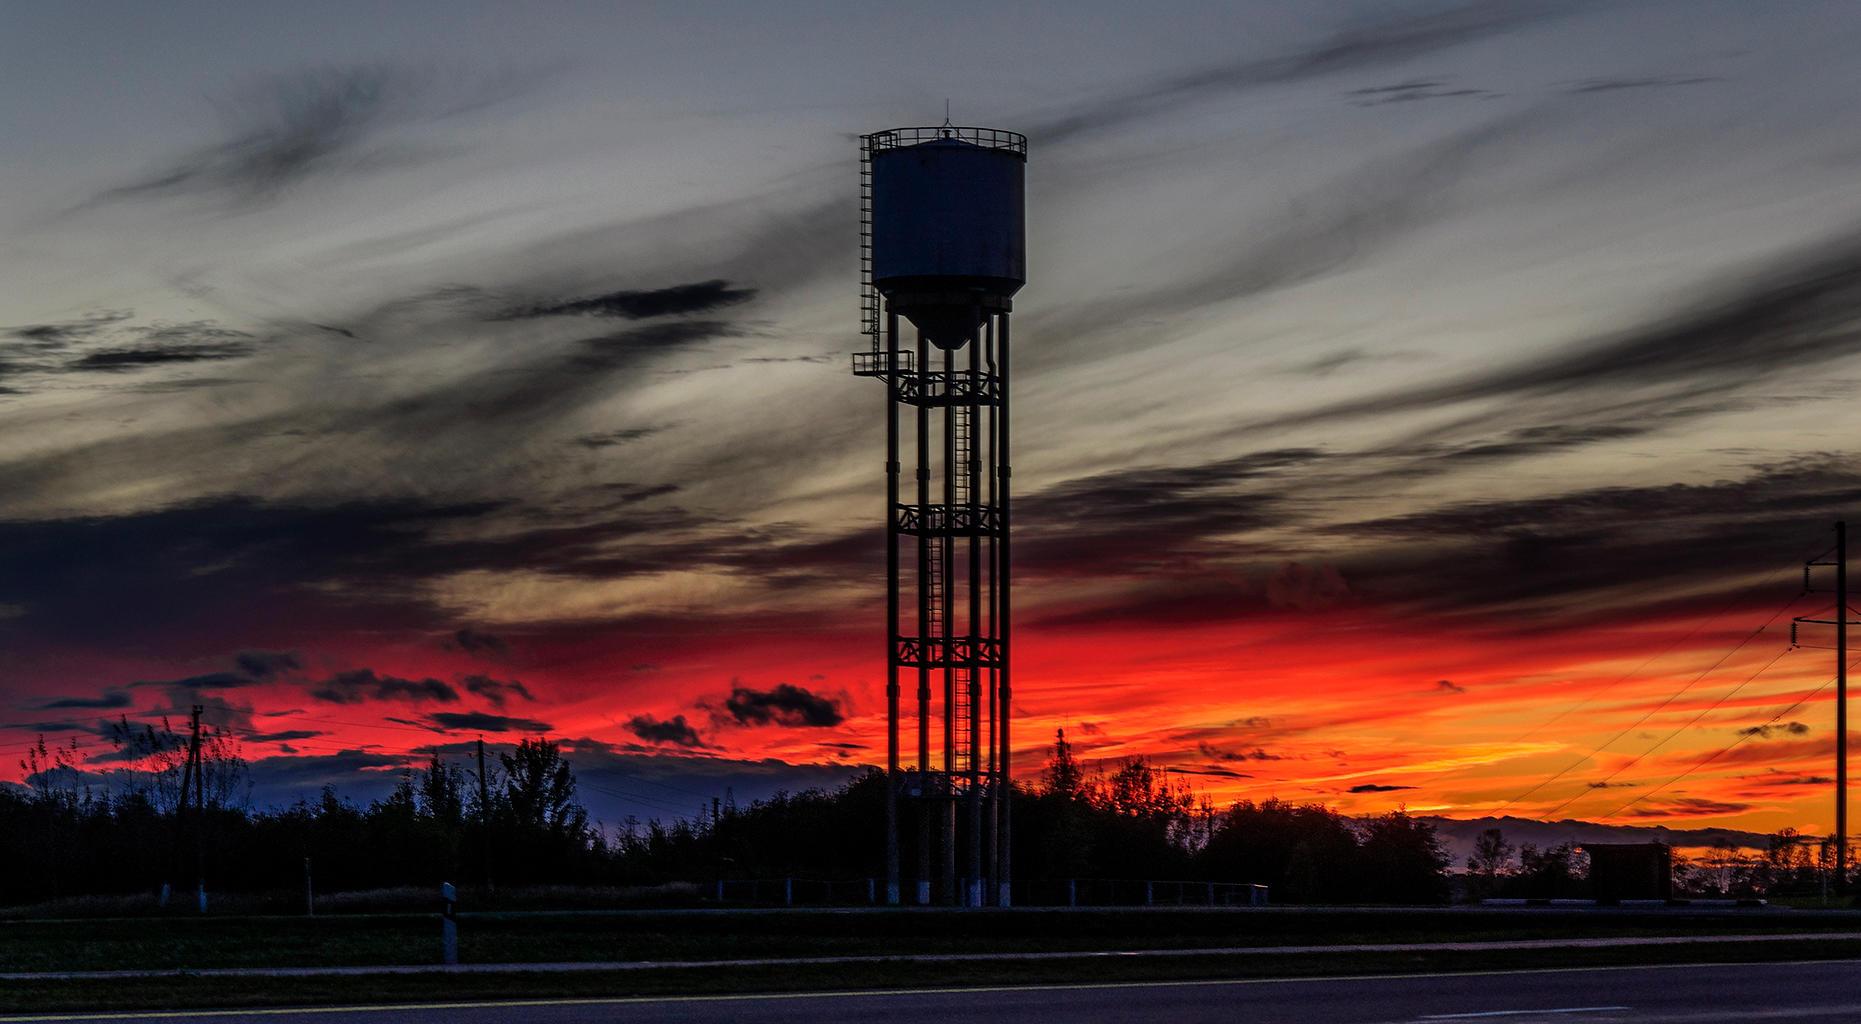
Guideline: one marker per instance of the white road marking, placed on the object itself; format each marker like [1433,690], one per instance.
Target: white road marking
[1518,1013]
[492,1004]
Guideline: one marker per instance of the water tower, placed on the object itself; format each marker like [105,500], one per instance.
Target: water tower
[942,248]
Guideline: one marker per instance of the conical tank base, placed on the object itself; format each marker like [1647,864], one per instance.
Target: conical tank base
[947,327]
[950,316]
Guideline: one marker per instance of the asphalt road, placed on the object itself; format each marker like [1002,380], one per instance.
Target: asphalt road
[1828,991]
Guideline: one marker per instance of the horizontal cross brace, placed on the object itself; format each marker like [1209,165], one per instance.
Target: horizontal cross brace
[948,651]
[949,520]
[949,387]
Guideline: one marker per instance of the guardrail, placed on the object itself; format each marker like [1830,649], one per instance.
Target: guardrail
[1065,892]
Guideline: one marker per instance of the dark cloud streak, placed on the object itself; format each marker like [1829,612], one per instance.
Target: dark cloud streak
[699,297]
[1375,44]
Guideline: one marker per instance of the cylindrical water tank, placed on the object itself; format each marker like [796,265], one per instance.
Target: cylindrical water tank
[948,225]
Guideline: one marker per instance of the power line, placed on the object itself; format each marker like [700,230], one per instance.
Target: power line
[1729,604]
[1664,740]
[650,801]
[1722,751]
[1567,769]
[1688,635]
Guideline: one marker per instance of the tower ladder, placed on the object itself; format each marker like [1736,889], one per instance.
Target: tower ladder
[964,709]
[964,455]
[868,293]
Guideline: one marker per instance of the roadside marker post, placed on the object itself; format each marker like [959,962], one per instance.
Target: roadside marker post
[448,924]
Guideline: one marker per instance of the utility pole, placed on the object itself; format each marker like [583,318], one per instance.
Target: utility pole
[1841,707]
[180,810]
[484,816]
[1837,559]
[200,813]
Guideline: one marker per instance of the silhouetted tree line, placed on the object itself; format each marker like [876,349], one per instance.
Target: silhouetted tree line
[1790,864]
[520,823]
[1496,869]
[1137,821]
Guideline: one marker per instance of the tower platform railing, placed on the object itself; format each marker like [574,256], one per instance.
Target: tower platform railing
[937,388]
[987,138]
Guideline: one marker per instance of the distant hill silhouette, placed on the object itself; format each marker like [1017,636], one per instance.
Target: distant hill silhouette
[1457,834]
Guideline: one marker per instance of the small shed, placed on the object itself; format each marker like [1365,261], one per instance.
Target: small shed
[1630,871]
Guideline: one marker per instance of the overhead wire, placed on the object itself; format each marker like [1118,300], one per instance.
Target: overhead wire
[1727,606]
[1729,747]
[1714,706]
[1574,765]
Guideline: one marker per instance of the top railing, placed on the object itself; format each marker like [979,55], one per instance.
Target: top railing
[987,138]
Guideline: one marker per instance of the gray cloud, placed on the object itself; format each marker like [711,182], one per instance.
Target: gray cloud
[675,731]
[476,641]
[1765,732]
[208,681]
[1215,753]
[1327,227]
[497,691]
[1652,82]
[785,704]
[626,348]
[63,334]
[363,684]
[283,736]
[1549,551]
[109,700]
[1144,518]
[1794,313]
[1412,92]
[614,438]
[165,344]
[138,358]
[283,130]
[267,664]
[1370,45]
[479,721]
[699,297]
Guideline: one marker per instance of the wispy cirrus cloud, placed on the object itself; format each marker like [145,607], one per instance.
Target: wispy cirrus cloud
[1371,44]
[284,130]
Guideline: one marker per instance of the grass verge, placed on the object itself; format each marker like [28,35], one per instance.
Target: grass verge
[196,993]
[177,943]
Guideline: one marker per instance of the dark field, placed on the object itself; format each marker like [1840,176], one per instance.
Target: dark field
[222,992]
[180,942]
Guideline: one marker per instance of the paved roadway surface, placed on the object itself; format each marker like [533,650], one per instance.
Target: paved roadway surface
[1826,991]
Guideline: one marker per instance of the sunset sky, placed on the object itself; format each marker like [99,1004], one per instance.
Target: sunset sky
[1417,405]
